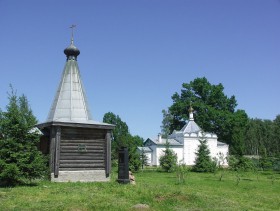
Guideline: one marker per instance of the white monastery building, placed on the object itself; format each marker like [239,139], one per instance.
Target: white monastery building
[185,144]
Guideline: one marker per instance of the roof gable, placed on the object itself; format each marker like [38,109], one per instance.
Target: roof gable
[144,149]
[171,141]
[190,127]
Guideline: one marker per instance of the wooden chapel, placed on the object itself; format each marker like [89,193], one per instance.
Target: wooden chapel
[79,148]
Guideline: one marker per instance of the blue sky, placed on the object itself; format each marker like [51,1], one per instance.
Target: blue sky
[135,54]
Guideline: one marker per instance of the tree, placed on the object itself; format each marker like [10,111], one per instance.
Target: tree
[252,137]
[215,112]
[166,123]
[276,136]
[132,142]
[262,137]
[120,132]
[20,159]
[168,160]
[238,133]
[203,161]
[143,158]
[122,138]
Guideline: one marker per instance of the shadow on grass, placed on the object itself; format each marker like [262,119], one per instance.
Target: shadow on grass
[20,184]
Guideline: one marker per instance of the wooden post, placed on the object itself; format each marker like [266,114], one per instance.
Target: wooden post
[57,151]
[108,153]
[52,148]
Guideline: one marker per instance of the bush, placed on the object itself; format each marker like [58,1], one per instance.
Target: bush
[114,163]
[181,172]
[134,159]
[266,163]
[168,161]
[19,156]
[203,161]
[276,164]
[10,174]
[134,163]
[240,163]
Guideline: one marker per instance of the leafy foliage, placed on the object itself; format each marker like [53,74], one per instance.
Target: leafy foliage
[181,173]
[275,149]
[20,158]
[240,163]
[203,161]
[265,163]
[168,160]
[123,138]
[215,112]
[166,123]
[143,159]
[263,137]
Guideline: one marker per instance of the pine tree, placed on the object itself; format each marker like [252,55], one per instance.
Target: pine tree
[143,158]
[168,161]
[203,161]
[20,159]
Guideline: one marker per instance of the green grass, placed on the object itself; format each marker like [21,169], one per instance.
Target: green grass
[159,190]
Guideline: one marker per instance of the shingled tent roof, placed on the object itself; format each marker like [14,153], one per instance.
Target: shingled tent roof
[70,105]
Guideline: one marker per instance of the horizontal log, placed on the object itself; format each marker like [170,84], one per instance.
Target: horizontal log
[84,146]
[82,141]
[87,146]
[76,165]
[72,156]
[93,150]
[77,144]
[89,130]
[81,136]
[76,153]
[81,161]
[81,169]
[79,131]
[81,157]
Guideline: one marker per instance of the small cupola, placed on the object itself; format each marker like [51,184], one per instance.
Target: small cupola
[72,52]
[191,113]
[159,138]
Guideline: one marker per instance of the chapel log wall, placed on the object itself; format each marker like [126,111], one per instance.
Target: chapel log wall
[82,149]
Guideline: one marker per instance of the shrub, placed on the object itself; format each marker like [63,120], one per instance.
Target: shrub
[20,158]
[10,174]
[134,163]
[181,172]
[143,159]
[168,161]
[203,161]
[265,163]
[276,164]
[240,163]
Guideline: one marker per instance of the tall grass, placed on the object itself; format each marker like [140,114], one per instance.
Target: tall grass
[159,190]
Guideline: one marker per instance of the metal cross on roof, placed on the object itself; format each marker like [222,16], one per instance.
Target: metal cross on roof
[72,34]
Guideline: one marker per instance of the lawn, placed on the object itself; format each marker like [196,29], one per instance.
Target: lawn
[161,191]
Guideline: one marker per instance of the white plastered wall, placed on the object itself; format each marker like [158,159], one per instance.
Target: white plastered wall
[149,158]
